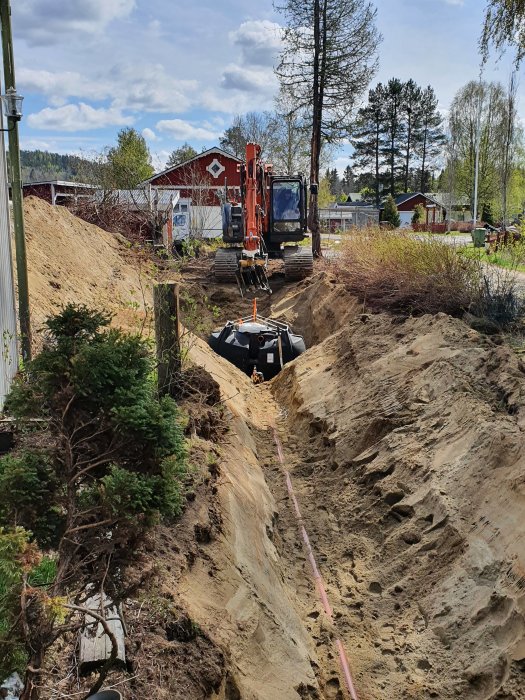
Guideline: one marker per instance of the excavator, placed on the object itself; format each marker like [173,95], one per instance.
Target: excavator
[270,213]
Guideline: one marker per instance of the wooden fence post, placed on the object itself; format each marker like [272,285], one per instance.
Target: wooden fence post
[167,335]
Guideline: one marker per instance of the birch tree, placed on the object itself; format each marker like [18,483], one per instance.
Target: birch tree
[328,60]
[504,26]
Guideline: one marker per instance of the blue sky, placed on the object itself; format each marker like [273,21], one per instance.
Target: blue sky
[178,71]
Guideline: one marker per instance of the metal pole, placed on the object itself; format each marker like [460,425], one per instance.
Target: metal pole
[476,167]
[16,186]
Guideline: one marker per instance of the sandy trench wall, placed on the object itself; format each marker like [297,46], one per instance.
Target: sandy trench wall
[239,594]
[422,473]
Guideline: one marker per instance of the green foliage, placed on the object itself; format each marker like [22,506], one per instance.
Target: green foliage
[325,196]
[40,165]
[419,214]
[13,545]
[30,495]
[95,387]
[390,213]
[129,162]
[504,26]
[180,155]
[487,215]
[44,574]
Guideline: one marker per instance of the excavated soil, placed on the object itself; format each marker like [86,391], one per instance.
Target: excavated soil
[404,439]
[71,261]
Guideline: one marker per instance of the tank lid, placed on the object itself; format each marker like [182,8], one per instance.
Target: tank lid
[253,327]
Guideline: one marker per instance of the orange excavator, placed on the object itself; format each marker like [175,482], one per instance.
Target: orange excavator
[271,213]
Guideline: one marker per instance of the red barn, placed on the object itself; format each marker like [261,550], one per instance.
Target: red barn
[202,180]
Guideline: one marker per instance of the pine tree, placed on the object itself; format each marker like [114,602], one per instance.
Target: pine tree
[368,136]
[395,130]
[432,138]
[180,155]
[347,180]
[326,69]
[390,212]
[412,111]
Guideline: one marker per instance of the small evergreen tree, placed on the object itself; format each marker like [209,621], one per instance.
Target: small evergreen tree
[115,463]
[180,155]
[487,214]
[419,214]
[390,212]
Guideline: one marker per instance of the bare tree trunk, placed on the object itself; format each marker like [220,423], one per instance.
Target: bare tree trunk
[378,134]
[313,212]
[423,160]
[409,137]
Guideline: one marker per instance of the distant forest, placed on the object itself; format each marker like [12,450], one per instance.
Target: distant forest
[41,165]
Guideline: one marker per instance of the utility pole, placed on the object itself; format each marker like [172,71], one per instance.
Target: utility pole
[16,184]
[478,143]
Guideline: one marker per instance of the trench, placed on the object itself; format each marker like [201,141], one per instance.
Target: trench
[374,431]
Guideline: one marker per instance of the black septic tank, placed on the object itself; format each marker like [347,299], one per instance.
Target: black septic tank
[259,347]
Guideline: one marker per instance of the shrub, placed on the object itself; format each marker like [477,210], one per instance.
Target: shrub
[116,462]
[12,652]
[95,386]
[419,214]
[399,272]
[390,212]
[30,495]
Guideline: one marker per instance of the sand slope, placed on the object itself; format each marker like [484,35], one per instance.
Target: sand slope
[70,260]
[407,446]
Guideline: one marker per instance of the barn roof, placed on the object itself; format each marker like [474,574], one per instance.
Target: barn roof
[407,196]
[209,152]
[59,183]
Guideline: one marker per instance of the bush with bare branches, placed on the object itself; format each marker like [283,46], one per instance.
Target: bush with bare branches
[396,271]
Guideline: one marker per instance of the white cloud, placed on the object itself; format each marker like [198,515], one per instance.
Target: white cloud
[159,160]
[144,87]
[455,2]
[43,22]
[260,42]
[59,86]
[77,117]
[237,77]
[149,134]
[185,131]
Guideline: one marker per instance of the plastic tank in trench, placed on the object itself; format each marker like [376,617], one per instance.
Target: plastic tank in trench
[262,345]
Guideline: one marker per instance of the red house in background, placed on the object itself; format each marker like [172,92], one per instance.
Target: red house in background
[202,180]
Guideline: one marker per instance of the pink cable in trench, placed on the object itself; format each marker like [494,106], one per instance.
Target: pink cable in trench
[315,571]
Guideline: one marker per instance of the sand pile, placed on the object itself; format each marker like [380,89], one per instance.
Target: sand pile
[405,439]
[70,260]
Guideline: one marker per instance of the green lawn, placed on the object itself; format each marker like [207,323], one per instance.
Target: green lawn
[508,258]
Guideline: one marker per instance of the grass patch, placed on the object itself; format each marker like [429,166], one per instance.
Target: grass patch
[508,258]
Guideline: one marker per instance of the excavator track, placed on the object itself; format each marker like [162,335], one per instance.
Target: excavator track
[226,266]
[298,263]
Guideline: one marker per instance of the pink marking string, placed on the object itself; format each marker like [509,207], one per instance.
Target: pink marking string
[343,660]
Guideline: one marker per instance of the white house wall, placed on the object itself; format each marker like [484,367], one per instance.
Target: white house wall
[207,219]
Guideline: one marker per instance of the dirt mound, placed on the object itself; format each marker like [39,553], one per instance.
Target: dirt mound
[70,260]
[315,308]
[406,442]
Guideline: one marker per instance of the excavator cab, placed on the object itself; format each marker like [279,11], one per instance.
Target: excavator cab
[271,213]
[287,209]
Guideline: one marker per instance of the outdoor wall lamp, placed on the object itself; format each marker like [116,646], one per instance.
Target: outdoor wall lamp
[12,106]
